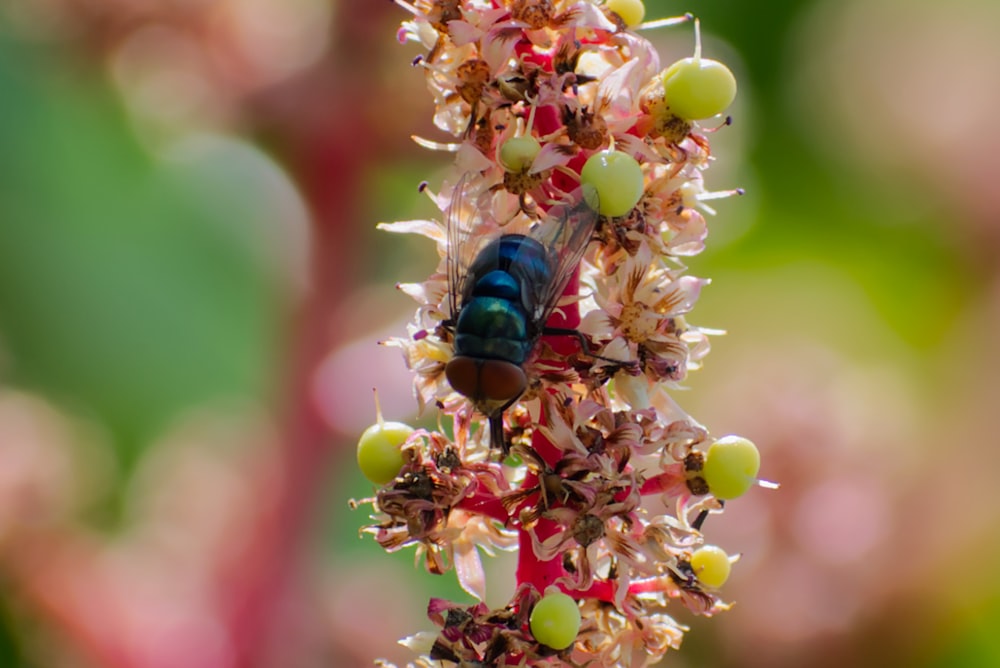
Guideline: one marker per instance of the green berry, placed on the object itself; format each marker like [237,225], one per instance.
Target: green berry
[698,88]
[555,620]
[711,564]
[617,178]
[380,454]
[630,11]
[731,466]
[517,153]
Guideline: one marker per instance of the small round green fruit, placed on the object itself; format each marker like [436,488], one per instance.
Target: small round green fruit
[711,564]
[698,88]
[617,178]
[631,11]
[731,467]
[517,153]
[555,620]
[380,454]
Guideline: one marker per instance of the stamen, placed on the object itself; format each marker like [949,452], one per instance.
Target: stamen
[450,147]
[665,23]
[697,41]
[408,7]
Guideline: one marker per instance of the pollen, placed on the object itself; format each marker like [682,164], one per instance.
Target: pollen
[536,13]
[520,183]
[472,76]
[586,130]
[432,349]
[587,529]
[662,122]
[444,11]
[637,323]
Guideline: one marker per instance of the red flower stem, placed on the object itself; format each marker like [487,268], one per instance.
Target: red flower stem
[650,585]
[530,568]
[486,504]
[546,120]
[604,590]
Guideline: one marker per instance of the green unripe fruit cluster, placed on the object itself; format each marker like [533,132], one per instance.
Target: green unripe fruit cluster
[617,179]
[555,620]
[731,467]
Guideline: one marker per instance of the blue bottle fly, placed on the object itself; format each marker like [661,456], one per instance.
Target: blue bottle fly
[501,299]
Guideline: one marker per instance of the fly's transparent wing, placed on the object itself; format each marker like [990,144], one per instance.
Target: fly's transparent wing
[456,238]
[564,233]
[467,235]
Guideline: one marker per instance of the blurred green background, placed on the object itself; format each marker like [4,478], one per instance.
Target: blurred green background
[188,195]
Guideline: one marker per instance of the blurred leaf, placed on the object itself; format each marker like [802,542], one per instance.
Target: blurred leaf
[10,655]
[122,291]
[971,641]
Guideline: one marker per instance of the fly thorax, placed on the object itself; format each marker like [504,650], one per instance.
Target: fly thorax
[523,256]
[499,284]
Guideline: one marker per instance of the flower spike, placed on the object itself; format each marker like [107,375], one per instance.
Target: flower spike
[553,332]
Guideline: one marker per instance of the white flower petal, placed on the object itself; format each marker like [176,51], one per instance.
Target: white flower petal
[428,228]
[596,324]
[469,159]
[463,32]
[469,569]
[551,155]
[421,642]
[634,390]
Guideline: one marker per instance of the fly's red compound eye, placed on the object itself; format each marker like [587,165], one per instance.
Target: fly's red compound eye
[493,380]
[463,376]
[501,381]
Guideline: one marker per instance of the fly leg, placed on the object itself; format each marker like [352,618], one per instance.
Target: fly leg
[585,345]
[498,437]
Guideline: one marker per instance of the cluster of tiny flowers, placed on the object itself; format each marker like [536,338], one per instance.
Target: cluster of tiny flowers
[607,481]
